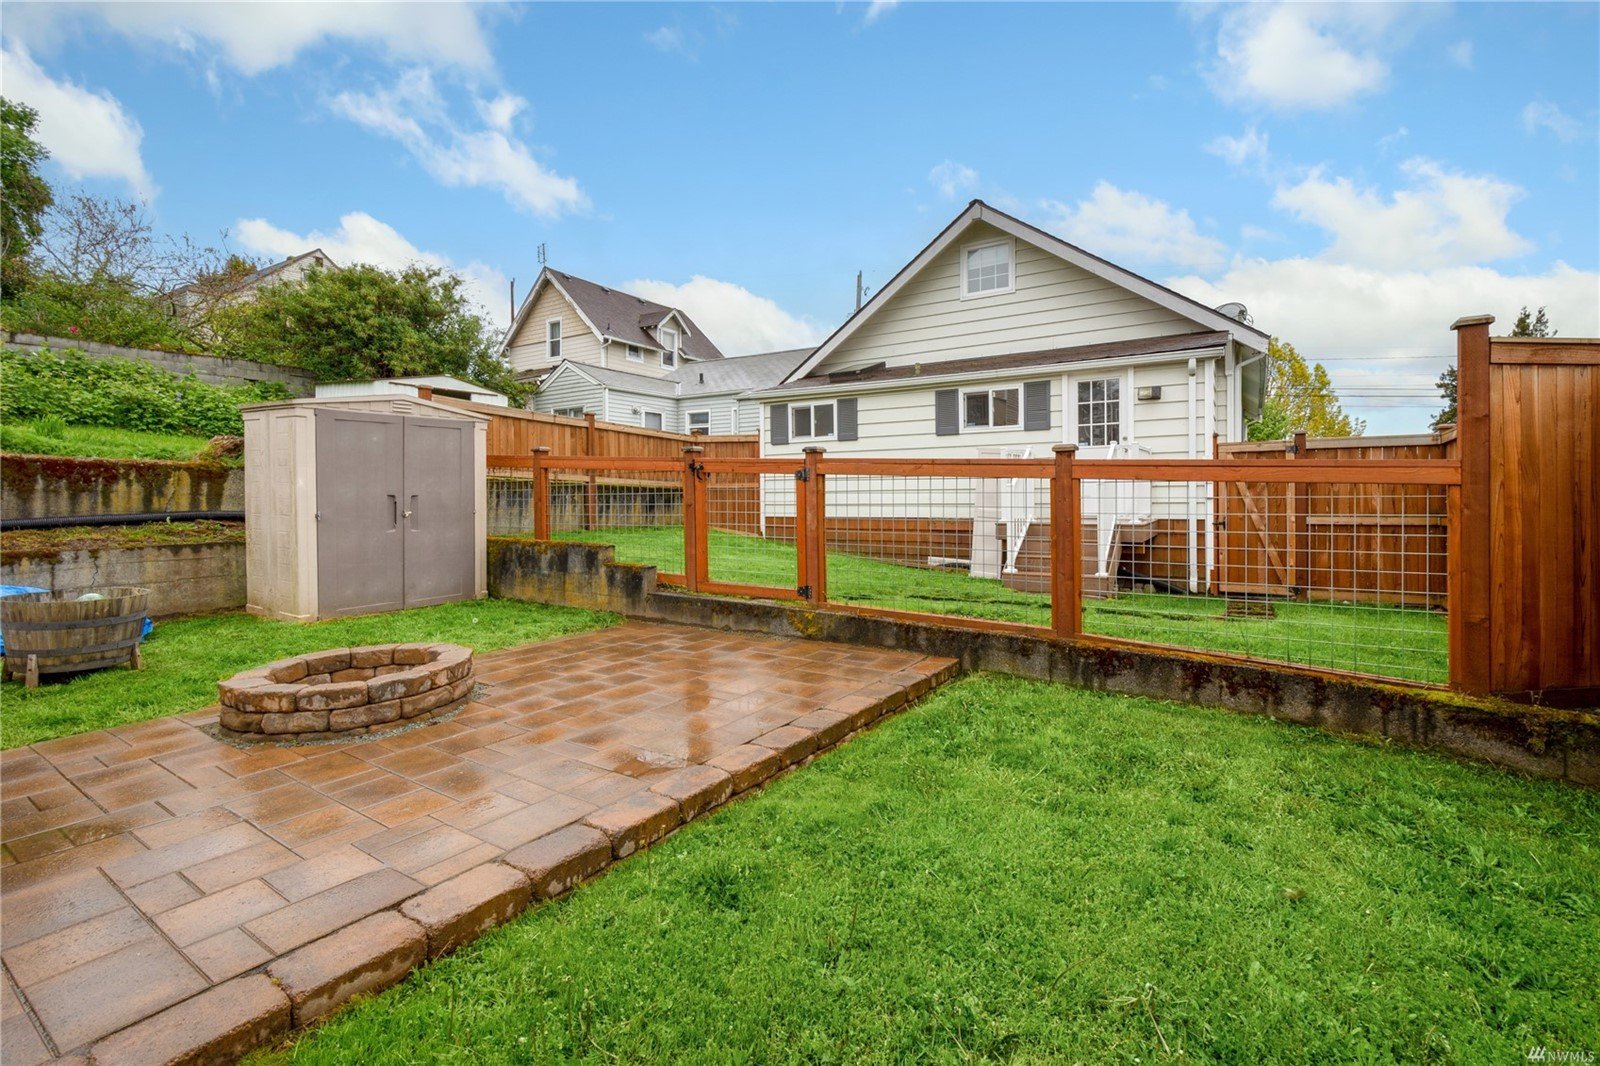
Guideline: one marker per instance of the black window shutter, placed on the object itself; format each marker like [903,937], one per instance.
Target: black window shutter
[1036,405]
[845,422]
[947,412]
[780,423]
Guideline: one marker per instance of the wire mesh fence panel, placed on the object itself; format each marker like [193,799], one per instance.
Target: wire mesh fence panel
[1348,577]
[638,512]
[510,502]
[750,530]
[966,547]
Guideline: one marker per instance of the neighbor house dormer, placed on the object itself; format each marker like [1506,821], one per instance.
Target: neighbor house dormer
[569,319]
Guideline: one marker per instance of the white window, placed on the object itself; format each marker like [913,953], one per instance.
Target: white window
[991,408]
[699,422]
[812,421]
[986,269]
[552,333]
[1099,411]
[635,354]
[652,420]
[569,412]
[669,341]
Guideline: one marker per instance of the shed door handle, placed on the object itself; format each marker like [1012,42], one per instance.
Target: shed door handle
[394,511]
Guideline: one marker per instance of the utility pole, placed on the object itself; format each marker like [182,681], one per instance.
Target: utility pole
[513,299]
[858,290]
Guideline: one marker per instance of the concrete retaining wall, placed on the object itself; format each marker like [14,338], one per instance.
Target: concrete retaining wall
[182,578]
[212,369]
[1540,742]
[49,486]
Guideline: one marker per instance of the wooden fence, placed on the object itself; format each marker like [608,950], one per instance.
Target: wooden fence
[515,433]
[1277,539]
[1526,559]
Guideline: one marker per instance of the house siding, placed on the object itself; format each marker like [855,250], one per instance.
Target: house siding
[1055,304]
[567,391]
[527,352]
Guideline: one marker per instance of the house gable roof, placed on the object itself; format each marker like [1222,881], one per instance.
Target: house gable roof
[612,314]
[978,211]
[723,377]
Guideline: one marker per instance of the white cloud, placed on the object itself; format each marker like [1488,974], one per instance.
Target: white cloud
[1543,115]
[1122,225]
[952,179]
[877,9]
[415,114]
[1386,330]
[89,134]
[671,39]
[253,38]
[1460,54]
[1442,219]
[1299,56]
[737,320]
[1249,149]
[361,238]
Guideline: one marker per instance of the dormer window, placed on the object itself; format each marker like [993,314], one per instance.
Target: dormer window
[987,269]
[552,333]
[669,346]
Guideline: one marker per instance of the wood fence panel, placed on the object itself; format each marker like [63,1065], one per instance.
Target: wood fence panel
[514,432]
[1380,542]
[1544,403]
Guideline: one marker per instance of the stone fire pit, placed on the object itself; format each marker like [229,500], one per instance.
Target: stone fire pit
[346,692]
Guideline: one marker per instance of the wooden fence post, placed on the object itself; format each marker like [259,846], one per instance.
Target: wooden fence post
[1066,546]
[813,543]
[1298,531]
[1471,534]
[696,564]
[591,508]
[541,494]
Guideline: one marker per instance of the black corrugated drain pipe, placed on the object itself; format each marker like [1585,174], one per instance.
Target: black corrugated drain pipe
[122,519]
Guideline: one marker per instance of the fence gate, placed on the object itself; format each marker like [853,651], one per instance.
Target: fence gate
[745,519]
[1255,525]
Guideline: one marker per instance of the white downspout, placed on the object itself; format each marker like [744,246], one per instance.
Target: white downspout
[1193,556]
[1211,453]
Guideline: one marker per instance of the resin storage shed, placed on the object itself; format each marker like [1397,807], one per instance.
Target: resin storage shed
[362,503]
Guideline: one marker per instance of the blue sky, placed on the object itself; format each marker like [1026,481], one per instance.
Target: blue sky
[1358,175]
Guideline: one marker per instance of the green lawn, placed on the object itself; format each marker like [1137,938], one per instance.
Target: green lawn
[1019,871]
[185,658]
[1389,641]
[99,442]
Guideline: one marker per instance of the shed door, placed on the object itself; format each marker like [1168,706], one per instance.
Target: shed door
[360,546]
[438,510]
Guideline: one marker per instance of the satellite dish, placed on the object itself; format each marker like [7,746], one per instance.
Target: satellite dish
[1236,311]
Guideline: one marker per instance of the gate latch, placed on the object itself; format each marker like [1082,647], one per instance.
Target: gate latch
[803,591]
[803,474]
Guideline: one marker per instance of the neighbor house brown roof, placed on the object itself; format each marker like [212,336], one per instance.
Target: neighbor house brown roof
[624,316]
[1178,342]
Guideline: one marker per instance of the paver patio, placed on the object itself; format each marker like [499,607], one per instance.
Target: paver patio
[147,864]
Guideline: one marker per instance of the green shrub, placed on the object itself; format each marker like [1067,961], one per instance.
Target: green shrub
[122,393]
[52,426]
[109,311]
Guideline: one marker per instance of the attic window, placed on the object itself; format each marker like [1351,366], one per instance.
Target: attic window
[669,345]
[552,332]
[987,269]
[635,355]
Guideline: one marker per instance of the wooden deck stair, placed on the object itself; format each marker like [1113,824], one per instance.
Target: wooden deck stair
[1033,561]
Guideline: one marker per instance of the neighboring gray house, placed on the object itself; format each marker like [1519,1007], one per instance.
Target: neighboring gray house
[698,397]
[569,319]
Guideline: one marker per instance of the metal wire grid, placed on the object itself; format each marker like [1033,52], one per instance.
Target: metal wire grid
[1343,577]
[510,502]
[640,513]
[970,547]
[751,538]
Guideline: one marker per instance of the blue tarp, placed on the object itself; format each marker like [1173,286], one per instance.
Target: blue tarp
[18,590]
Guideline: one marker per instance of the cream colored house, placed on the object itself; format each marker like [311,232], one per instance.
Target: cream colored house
[999,339]
[224,290]
[569,319]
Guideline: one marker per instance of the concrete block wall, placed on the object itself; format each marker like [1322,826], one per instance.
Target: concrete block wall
[212,369]
[182,578]
[51,486]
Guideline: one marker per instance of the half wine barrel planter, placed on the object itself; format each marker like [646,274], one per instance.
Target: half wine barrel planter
[64,633]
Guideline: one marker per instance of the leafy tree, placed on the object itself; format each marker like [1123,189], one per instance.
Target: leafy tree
[1300,397]
[1527,325]
[26,194]
[365,322]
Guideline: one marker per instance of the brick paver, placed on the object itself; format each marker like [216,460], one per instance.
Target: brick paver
[155,878]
